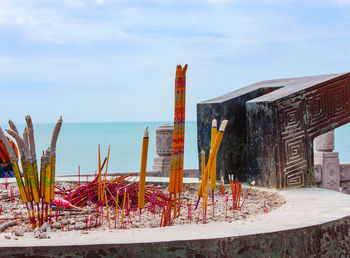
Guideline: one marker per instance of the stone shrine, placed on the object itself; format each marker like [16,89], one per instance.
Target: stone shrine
[272,125]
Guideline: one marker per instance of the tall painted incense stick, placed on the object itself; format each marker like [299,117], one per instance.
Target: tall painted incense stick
[177,152]
[18,176]
[142,182]
[24,169]
[32,148]
[54,138]
[213,169]
[47,196]
[28,164]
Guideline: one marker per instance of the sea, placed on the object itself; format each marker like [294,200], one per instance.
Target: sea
[77,145]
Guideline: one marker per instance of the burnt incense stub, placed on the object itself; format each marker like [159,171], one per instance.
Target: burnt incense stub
[272,125]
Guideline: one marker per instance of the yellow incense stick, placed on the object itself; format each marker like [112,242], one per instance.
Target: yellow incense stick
[200,191]
[216,145]
[142,182]
[213,169]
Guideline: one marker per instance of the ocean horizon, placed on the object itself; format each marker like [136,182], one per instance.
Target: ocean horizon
[78,145]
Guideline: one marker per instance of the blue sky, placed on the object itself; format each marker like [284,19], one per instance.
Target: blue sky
[114,60]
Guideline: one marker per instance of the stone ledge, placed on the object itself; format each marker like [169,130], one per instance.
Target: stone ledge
[312,222]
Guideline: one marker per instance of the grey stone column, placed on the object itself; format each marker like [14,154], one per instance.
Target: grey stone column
[164,139]
[327,162]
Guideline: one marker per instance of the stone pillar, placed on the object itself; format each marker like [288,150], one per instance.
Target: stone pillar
[164,139]
[327,161]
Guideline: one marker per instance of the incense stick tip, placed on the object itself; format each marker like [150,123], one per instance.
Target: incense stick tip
[214,123]
[146,133]
[223,125]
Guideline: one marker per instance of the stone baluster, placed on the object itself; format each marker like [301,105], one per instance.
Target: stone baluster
[327,167]
[164,139]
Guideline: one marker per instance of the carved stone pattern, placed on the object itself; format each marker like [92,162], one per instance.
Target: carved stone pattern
[327,105]
[293,158]
[322,105]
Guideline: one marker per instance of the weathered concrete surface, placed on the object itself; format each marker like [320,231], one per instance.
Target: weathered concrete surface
[230,106]
[312,223]
[327,240]
[269,137]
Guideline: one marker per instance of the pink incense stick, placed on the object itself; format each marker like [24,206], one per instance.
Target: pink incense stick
[12,196]
[213,209]
[197,202]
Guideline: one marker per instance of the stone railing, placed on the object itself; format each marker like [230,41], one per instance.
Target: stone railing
[329,173]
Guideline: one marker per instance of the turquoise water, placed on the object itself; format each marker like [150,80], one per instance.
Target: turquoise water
[77,145]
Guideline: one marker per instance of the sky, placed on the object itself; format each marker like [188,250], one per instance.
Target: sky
[115,60]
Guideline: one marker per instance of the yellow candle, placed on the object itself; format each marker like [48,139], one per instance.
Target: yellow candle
[142,182]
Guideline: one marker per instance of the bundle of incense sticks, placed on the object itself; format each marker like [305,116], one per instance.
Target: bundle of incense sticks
[115,192]
[203,188]
[177,152]
[34,190]
[236,189]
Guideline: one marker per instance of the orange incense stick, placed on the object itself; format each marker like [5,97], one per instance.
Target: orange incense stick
[245,197]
